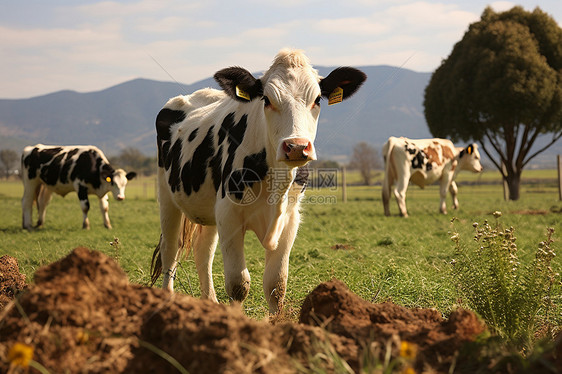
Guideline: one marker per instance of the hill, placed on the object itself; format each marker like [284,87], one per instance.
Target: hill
[390,103]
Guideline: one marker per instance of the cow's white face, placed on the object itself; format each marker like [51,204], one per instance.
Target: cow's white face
[470,159]
[291,104]
[118,182]
[289,95]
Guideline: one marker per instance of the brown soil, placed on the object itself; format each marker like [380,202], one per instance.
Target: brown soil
[82,315]
[11,280]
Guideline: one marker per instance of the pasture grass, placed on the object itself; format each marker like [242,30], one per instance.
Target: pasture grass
[407,261]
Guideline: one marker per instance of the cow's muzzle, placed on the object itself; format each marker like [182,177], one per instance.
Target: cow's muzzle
[296,151]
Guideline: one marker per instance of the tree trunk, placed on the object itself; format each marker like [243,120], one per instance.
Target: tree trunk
[514,183]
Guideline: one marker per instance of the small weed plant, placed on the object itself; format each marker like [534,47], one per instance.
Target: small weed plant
[514,300]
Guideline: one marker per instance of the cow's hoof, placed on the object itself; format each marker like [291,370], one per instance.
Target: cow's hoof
[239,292]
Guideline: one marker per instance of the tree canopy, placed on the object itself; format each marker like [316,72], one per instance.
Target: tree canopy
[501,86]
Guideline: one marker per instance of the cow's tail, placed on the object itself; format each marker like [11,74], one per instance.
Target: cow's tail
[387,181]
[187,237]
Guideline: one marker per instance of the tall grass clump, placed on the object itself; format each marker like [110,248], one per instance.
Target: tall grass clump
[515,300]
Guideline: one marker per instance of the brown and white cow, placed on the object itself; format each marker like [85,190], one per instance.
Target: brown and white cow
[422,162]
[63,169]
[228,161]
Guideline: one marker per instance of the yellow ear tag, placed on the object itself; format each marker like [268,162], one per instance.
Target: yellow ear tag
[469,149]
[243,94]
[336,96]
[108,179]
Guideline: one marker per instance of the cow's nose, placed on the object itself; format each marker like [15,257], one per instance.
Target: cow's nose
[297,149]
[120,197]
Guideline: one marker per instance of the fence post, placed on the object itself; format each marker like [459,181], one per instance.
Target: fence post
[559,158]
[343,185]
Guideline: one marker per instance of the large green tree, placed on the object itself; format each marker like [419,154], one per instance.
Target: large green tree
[501,86]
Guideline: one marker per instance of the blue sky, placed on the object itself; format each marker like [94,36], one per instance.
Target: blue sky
[47,46]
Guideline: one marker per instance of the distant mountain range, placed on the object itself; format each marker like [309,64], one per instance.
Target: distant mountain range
[389,104]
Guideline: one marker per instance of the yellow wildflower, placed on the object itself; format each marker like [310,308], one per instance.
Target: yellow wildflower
[20,354]
[82,336]
[408,350]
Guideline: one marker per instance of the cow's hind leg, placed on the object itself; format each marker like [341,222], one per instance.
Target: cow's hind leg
[104,207]
[277,265]
[170,223]
[386,187]
[84,205]
[43,199]
[204,248]
[400,194]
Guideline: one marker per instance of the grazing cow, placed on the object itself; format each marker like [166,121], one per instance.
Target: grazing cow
[63,169]
[423,161]
[228,163]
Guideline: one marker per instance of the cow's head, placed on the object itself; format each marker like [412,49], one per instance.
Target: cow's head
[469,159]
[288,97]
[117,180]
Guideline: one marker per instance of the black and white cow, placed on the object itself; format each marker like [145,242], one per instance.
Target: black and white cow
[63,169]
[423,162]
[228,161]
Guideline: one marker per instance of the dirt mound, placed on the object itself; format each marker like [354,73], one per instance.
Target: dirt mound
[333,306]
[82,315]
[11,280]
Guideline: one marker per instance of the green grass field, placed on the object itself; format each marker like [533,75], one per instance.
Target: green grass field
[380,258]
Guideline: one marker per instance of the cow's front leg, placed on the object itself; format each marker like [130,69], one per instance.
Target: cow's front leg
[203,252]
[104,207]
[84,204]
[453,189]
[236,275]
[30,189]
[277,265]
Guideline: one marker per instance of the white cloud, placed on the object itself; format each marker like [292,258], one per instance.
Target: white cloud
[350,26]
[93,45]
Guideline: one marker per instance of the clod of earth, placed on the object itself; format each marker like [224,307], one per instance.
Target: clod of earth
[11,280]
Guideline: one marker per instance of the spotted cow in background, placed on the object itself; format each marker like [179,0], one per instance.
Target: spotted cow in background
[424,161]
[63,169]
[228,163]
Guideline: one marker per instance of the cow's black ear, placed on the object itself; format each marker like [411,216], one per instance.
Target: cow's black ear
[130,175]
[239,83]
[468,150]
[347,78]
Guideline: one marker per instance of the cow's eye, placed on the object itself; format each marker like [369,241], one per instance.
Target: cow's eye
[266,102]
[317,102]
